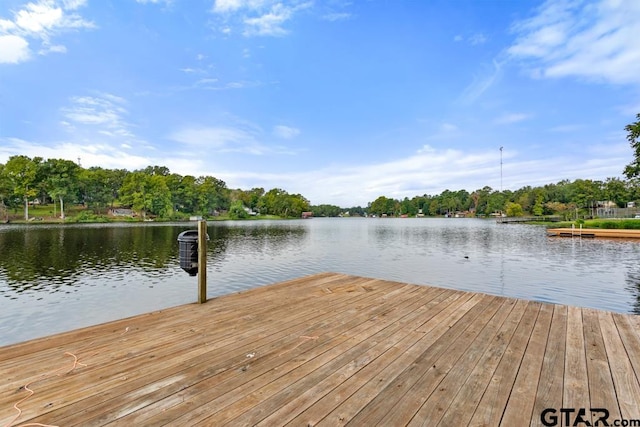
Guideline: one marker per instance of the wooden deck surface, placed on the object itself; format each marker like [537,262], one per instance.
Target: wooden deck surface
[327,350]
[594,232]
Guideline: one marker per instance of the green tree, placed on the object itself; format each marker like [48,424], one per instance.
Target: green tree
[212,195]
[585,193]
[633,136]
[356,211]
[159,196]
[5,194]
[382,206]
[236,210]
[21,171]
[434,206]
[99,187]
[326,210]
[249,198]
[562,209]
[617,191]
[513,209]
[278,202]
[407,207]
[61,180]
[184,192]
[134,192]
[296,204]
[538,207]
[481,200]
[495,202]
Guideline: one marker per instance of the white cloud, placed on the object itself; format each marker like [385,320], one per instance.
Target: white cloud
[444,131]
[226,6]
[269,24]
[285,132]
[39,21]
[596,41]
[474,40]
[257,17]
[37,18]
[91,153]
[477,39]
[213,137]
[189,70]
[104,114]
[512,118]
[13,49]
[73,4]
[429,171]
[206,81]
[336,16]
[236,136]
[221,140]
[481,83]
[53,49]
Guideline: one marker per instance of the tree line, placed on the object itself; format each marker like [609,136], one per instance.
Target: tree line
[158,192]
[153,191]
[564,198]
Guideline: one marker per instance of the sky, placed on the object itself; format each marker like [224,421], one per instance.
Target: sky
[340,101]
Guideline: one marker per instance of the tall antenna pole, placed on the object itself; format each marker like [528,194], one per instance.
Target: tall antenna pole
[501,168]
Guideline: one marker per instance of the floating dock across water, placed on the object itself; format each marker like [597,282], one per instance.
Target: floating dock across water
[332,349]
[594,232]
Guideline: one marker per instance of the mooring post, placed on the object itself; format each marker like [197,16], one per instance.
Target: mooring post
[202,262]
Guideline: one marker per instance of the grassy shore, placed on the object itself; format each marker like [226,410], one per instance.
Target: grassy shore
[77,214]
[610,223]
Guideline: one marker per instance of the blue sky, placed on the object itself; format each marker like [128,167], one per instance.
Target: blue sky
[341,101]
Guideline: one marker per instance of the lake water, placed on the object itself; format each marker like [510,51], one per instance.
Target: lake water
[57,278]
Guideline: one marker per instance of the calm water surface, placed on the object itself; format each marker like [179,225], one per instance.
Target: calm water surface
[56,278]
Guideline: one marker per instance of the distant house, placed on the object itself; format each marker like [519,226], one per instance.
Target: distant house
[122,212]
[306,215]
[250,212]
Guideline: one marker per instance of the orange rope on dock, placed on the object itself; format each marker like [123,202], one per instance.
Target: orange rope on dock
[16,406]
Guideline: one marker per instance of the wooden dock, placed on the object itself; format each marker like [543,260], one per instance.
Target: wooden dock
[594,232]
[524,219]
[327,350]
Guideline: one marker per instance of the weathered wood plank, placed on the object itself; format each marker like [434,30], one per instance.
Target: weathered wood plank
[576,381]
[435,360]
[601,390]
[344,404]
[624,378]
[494,401]
[523,394]
[464,404]
[433,409]
[551,382]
